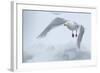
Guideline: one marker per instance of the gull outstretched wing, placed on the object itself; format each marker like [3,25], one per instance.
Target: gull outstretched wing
[80,36]
[56,22]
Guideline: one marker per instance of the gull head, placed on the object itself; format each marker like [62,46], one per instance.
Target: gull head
[71,25]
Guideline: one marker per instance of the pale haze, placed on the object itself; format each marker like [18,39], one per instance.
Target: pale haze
[58,44]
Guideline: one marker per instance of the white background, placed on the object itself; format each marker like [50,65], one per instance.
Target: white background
[5,35]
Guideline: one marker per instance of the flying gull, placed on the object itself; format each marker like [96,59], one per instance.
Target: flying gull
[71,25]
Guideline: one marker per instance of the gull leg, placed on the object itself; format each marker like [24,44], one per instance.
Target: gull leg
[76,33]
[72,34]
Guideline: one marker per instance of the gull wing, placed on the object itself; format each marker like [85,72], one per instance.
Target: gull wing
[56,22]
[80,36]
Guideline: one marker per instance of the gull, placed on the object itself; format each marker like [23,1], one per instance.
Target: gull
[71,25]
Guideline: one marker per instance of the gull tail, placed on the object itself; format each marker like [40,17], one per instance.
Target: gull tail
[80,36]
[56,22]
